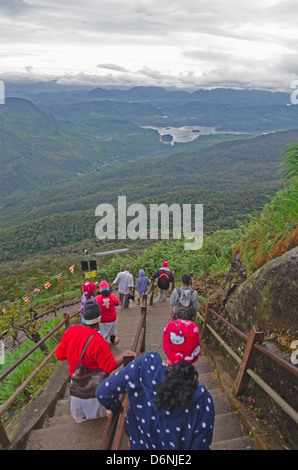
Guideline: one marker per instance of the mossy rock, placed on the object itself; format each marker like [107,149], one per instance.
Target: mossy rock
[268,298]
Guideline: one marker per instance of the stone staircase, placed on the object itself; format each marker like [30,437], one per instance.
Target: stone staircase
[228,433]
[60,431]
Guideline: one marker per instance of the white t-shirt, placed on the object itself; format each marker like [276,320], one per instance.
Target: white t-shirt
[124,281]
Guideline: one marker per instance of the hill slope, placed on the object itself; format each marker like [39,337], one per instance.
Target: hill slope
[228,179]
[220,115]
[240,165]
[37,149]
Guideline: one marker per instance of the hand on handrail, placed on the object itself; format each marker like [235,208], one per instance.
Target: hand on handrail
[130,353]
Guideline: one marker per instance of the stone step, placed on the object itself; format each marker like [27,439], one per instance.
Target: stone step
[204,366]
[62,407]
[63,432]
[239,443]
[209,380]
[226,427]
[221,404]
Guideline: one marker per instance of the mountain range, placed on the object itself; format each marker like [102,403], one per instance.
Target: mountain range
[53,92]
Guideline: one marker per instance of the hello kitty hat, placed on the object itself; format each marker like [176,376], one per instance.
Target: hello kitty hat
[181,341]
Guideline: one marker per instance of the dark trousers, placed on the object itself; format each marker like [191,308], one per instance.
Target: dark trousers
[124,300]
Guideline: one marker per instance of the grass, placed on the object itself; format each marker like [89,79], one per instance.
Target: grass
[272,232]
[13,381]
[214,256]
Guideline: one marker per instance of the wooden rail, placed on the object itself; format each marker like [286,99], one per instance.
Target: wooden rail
[52,310]
[247,362]
[4,440]
[114,432]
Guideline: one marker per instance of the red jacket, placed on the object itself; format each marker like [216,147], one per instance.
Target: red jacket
[97,355]
[107,307]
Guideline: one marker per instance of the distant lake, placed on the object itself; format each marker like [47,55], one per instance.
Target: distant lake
[185,133]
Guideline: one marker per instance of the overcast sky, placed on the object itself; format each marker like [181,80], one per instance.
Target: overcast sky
[184,43]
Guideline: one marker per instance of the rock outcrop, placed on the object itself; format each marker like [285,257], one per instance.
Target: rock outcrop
[268,298]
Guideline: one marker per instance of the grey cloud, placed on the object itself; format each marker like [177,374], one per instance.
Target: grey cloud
[288,64]
[284,10]
[208,55]
[203,33]
[115,67]
[14,7]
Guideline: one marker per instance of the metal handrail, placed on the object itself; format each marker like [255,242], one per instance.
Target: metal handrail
[287,365]
[4,441]
[56,306]
[115,428]
[244,362]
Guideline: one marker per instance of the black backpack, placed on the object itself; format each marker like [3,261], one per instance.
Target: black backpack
[183,312]
[164,278]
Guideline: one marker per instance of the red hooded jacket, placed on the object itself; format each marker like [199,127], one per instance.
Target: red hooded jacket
[97,355]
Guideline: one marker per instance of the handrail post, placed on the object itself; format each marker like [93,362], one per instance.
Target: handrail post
[248,361]
[4,441]
[173,283]
[67,320]
[127,358]
[191,279]
[121,417]
[152,290]
[144,313]
[206,318]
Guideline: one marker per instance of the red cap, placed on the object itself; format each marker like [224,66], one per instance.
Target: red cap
[104,285]
[165,264]
[88,287]
[181,341]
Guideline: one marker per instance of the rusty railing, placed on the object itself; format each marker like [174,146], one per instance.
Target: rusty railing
[115,428]
[4,440]
[246,363]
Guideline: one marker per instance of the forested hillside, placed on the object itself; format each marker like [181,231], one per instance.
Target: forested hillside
[230,166]
[37,150]
[222,116]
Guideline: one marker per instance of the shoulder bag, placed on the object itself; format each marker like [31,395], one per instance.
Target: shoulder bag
[84,381]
